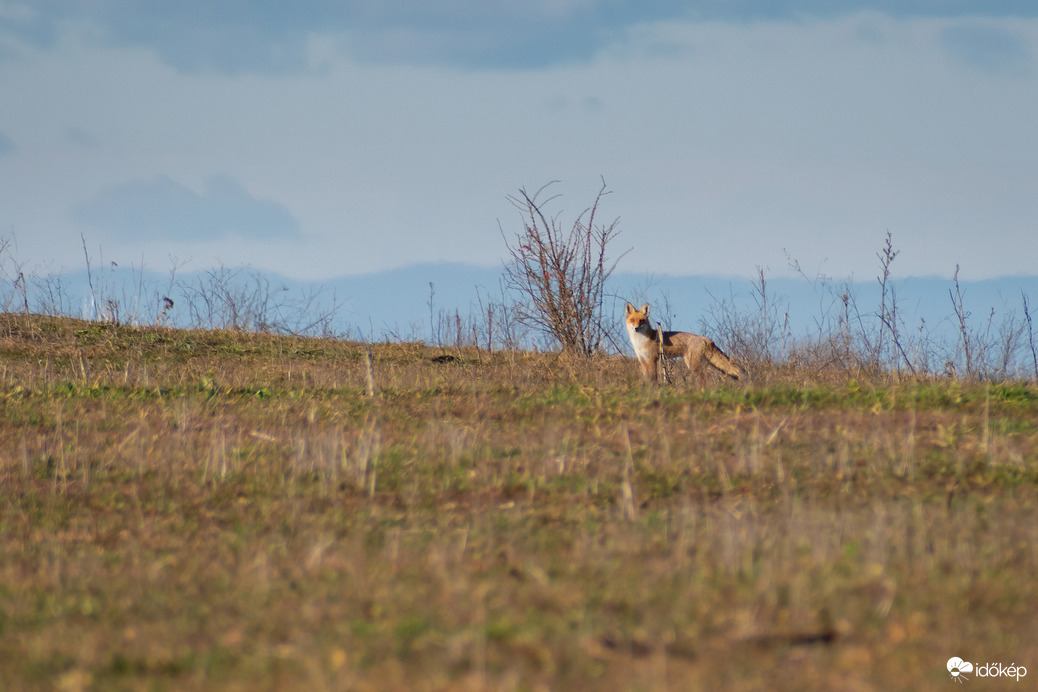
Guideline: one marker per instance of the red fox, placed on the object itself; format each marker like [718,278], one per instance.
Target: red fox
[695,349]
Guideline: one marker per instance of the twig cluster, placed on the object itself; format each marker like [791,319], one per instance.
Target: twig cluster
[559,276]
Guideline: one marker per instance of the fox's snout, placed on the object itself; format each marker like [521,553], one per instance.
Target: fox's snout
[640,326]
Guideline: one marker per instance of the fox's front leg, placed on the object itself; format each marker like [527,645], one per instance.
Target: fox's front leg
[650,367]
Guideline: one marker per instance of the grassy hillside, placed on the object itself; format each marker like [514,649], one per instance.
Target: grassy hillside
[200,510]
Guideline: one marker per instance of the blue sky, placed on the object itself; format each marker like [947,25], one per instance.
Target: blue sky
[319,139]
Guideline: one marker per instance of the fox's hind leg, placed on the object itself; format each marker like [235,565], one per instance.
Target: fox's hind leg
[694,361]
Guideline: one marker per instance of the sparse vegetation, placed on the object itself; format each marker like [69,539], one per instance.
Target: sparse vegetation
[848,336]
[236,298]
[217,509]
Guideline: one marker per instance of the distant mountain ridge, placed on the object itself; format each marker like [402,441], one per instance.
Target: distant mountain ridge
[407,303]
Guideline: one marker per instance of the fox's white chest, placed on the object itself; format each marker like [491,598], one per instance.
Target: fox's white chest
[644,347]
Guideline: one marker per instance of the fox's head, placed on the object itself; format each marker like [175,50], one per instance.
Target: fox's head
[637,319]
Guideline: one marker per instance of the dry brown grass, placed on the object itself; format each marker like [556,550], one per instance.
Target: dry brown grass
[199,510]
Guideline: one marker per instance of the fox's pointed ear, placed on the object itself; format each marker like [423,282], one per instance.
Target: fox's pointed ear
[628,309]
[645,309]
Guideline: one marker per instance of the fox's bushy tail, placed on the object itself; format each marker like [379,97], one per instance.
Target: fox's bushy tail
[722,362]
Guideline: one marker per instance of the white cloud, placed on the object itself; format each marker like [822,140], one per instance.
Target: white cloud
[6,145]
[162,209]
[988,47]
[244,36]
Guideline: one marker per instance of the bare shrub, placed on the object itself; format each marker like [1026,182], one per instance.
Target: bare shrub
[888,315]
[1030,334]
[245,300]
[13,293]
[496,326]
[104,304]
[51,295]
[995,350]
[962,317]
[756,337]
[559,276]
